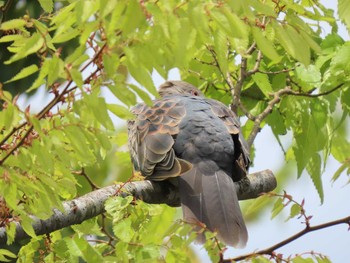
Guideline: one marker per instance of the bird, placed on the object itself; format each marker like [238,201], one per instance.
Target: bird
[196,142]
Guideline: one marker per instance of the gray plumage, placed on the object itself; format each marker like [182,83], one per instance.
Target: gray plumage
[197,140]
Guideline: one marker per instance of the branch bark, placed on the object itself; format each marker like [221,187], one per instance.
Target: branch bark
[92,204]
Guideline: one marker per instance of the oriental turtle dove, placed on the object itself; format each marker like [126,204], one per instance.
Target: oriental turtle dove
[196,141]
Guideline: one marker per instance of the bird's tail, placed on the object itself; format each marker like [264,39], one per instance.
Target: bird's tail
[212,199]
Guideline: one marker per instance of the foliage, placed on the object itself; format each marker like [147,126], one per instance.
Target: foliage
[267,59]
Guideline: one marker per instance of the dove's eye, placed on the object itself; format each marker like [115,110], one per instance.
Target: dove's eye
[194,93]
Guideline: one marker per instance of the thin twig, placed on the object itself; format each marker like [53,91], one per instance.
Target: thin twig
[308,94]
[276,99]
[276,72]
[306,230]
[257,64]
[236,90]
[44,111]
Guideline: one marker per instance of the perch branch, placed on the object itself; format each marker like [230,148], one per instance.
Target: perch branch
[92,204]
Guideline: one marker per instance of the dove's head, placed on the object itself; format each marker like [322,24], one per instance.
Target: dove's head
[176,87]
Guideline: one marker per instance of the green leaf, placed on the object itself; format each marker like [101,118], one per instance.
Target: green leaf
[13,24]
[341,169]
[314,169]
[47,5]
[120,111]
[344,12]
[340,148]
[111,63]
[79,144]
[290,39]
[9,38]
[25,72]
[263,82]
[123,230]
[142,94]
[310,74]
[265,45]
[221,45]
[277,208]
[26,223]
[300,259]
[65,36]
[44,70]
[99,110]
[294,211]
[123,93]
[76,77]
[31,45]
[85,9]
[6,255]
[55,70]
[80,247]
[10,232]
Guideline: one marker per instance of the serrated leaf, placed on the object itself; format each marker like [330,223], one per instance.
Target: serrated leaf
[76,77]
[290,39]
[340,170]
[310,74]
[79,143]
[65,36]
[277,208]
[9,38]
[25,72]
[10,232]
[26,223]
[6,255]
[13,24]
[142,94]
[85,9]
[314,169]
[340,148]
[220,44]
[123,230]
[47,5]
[31,45]
[294,211]
[344,12]
[120,111]
[84,249]
[9,191]
[99,110]
[44,70]
[111,63]
[55,69]
[265,45]
[263,82]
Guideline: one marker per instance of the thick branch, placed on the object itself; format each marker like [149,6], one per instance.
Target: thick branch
[92,204]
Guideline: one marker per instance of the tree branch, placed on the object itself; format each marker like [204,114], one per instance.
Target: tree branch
[306,230]
[276,99]
[277,96]
[236,91]
[92,204]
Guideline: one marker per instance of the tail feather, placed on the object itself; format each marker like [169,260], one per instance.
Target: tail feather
[212,200]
